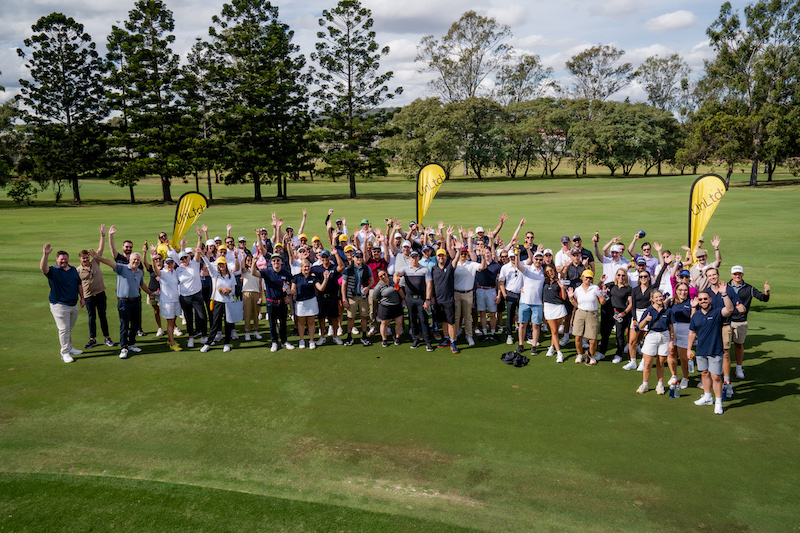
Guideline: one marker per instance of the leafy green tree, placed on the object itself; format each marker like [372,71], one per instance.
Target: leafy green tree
[756,67]
[350,93]
[476,122]
[523,79]
[10,141]
[64,100]
[259,101]
[472,49]
[722,133]
[519,130]
[144,80]
[425,134]
[664,79]
[598,73]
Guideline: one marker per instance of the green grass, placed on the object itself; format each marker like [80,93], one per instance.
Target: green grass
[392,439]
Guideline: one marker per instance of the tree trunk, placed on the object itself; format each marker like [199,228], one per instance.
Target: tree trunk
[352,177]
[166,194]
[257,187]
[210,194]
[753,172]
[133,197]
[280,188]
[659,167]
[196,181]
[76,193]
[770,170]
[285,188]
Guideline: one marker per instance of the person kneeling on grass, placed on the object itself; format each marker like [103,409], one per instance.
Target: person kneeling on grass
[657,342]
[706,327]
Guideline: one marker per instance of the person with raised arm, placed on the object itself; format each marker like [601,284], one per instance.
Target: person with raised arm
[66,291]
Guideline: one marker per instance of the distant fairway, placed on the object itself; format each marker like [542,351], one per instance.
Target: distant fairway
[373,439]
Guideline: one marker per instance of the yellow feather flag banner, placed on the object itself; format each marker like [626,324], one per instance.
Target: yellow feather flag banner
[190,206]
[706,193]
[429,179]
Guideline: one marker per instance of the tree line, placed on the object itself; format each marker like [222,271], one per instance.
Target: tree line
[246,106]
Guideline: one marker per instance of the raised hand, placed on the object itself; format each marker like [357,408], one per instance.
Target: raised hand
[503,217]
[204,228]
[229,227]
[112,230]
[657,247]
[766,288]
[103,230]
[330,212]
[46,249]
[715,241]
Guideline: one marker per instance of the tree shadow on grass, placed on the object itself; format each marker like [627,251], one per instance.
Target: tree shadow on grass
[772,379]
[755,340]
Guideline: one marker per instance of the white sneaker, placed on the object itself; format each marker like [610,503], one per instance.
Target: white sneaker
[246,336]
[630,366]
[339,331]
[551,351]
[673,380]
[134,349]
[685,383]
[183,320]
[337,340]
[274,347]
[205,348]
[470,341]
[660,388]
[257,335]
[234,335]
[559,357]
[509,340]
[599,356]
[261,316]
[704,400]
[123,353]
[617,360]
[218,337]
[354,331]
[288,345]
[160,332]
[477,331]
[67,358]
[203,340]
[301,344]
[75,351]
[190,342]
[740,373]
[499,330]
[718,407]
[371,332]
[643,388]
[564,339]
[312,345]
[176,332]
[579,359]
[330,331]
[226,348]
[640,368]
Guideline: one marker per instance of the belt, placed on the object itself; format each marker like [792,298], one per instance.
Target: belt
[470,290]
[414,296]
[485,288]
[128,299]
[512,293]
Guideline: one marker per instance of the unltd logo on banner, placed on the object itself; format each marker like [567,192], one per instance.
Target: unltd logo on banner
[707,201]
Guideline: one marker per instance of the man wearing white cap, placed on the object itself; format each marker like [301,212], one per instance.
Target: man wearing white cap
[746,293]
[510,284]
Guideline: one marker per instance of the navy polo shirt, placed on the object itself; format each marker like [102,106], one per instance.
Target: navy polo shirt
[708,328]
[64,285]
[274,282]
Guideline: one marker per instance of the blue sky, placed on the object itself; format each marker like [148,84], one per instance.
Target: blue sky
[553,30]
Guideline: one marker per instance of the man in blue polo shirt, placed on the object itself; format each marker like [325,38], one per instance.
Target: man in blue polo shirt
[130,279]
[65,291]
[706,327]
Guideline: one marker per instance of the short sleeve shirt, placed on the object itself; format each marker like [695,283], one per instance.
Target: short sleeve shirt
[64,285]
[708,327]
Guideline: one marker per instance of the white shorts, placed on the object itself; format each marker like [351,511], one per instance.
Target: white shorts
[656,343]
[554,311]
[170,309]
[308,307]
[681,330]
[639,315]
[485,300]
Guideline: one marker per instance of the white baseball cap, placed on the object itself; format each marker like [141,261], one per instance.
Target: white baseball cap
[737,269]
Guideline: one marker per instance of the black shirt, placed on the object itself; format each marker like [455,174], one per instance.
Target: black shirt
[444,283]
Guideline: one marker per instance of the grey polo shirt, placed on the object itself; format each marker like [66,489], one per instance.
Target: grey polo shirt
[128,281]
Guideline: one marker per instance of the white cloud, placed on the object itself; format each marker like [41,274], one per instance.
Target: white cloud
[616,8]
[514,15]
[638,55]
[677,20]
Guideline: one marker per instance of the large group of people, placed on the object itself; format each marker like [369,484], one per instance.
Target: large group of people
[439,283]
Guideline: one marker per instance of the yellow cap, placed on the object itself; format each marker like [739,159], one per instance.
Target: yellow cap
[302,236]
[587,274]
[315,239]
[221,260]
[349,248]
[342,237]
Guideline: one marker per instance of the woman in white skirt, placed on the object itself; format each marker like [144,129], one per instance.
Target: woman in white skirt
[554,298]
[657,342]
[306,308]
[678,316]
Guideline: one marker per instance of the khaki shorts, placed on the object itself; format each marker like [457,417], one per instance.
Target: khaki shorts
[739,332]
[727,336]
[360,303]
[586,324]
